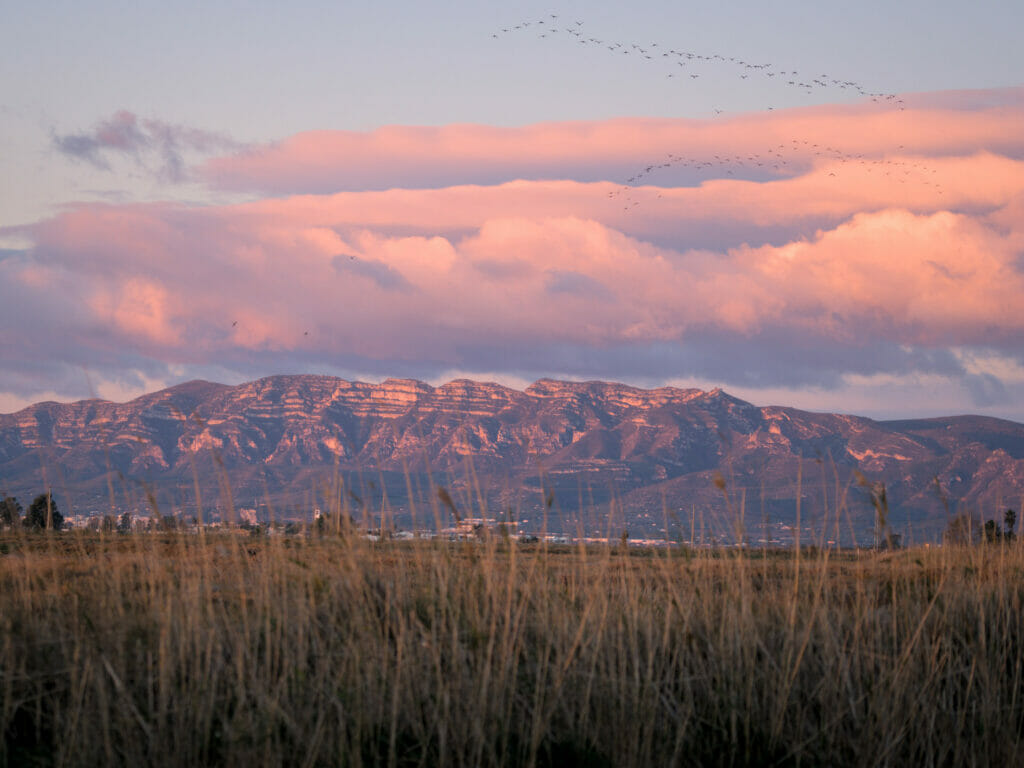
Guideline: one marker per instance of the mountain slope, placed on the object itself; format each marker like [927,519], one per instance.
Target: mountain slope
[585,454]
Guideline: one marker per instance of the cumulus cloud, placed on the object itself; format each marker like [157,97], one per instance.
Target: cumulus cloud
[890,277]
[380,273]
[152,143]
[881,260]
[575,283]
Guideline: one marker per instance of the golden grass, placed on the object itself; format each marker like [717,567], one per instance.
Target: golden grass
[188,649]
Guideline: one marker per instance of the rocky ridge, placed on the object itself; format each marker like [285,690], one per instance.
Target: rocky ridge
[560,448]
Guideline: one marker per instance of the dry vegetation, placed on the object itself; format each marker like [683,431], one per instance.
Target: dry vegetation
[195,649]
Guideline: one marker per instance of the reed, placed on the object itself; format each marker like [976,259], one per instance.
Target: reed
[229,649]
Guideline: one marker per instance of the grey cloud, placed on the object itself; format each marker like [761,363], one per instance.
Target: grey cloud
[119,134]
[722,233]
[501,270]
[765,361]
[81,147]
[986,390]
[154,144]
[779,357]
[416,173]
[575,284]
[384,276]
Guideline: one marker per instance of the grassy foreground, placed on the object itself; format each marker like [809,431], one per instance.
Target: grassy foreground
[223,649]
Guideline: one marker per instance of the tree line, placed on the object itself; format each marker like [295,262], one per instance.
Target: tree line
[42,514]
[967,528]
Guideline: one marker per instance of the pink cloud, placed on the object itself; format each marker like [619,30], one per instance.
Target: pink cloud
[931,280]
[423,157]
[137,308]
[900,259]
[230,277]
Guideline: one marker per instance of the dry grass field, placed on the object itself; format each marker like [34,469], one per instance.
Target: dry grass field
[224,649]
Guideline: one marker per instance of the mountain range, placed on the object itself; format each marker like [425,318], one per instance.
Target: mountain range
[592,457]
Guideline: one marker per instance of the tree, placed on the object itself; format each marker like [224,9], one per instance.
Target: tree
[124,523]
[963,530]
[10,512]
[1010,522]
[43,513]
[992,531]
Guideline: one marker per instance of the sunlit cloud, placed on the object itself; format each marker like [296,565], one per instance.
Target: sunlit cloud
[665,151]
[887,243]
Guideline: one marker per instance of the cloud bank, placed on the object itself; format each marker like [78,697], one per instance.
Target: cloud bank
[784,143]
[811,250]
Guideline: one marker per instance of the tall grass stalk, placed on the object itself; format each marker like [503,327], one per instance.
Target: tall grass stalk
[228,649]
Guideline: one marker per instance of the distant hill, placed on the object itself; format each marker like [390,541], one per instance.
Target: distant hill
[596,457]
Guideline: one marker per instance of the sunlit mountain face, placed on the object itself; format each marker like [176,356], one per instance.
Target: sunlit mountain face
[571,457]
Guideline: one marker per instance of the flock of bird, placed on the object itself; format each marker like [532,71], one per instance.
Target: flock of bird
[774,159]
[680,63]
[778,159]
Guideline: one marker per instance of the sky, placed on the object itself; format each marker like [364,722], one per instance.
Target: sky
[818,205]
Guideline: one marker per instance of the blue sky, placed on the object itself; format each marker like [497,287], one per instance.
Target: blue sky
[259,71]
